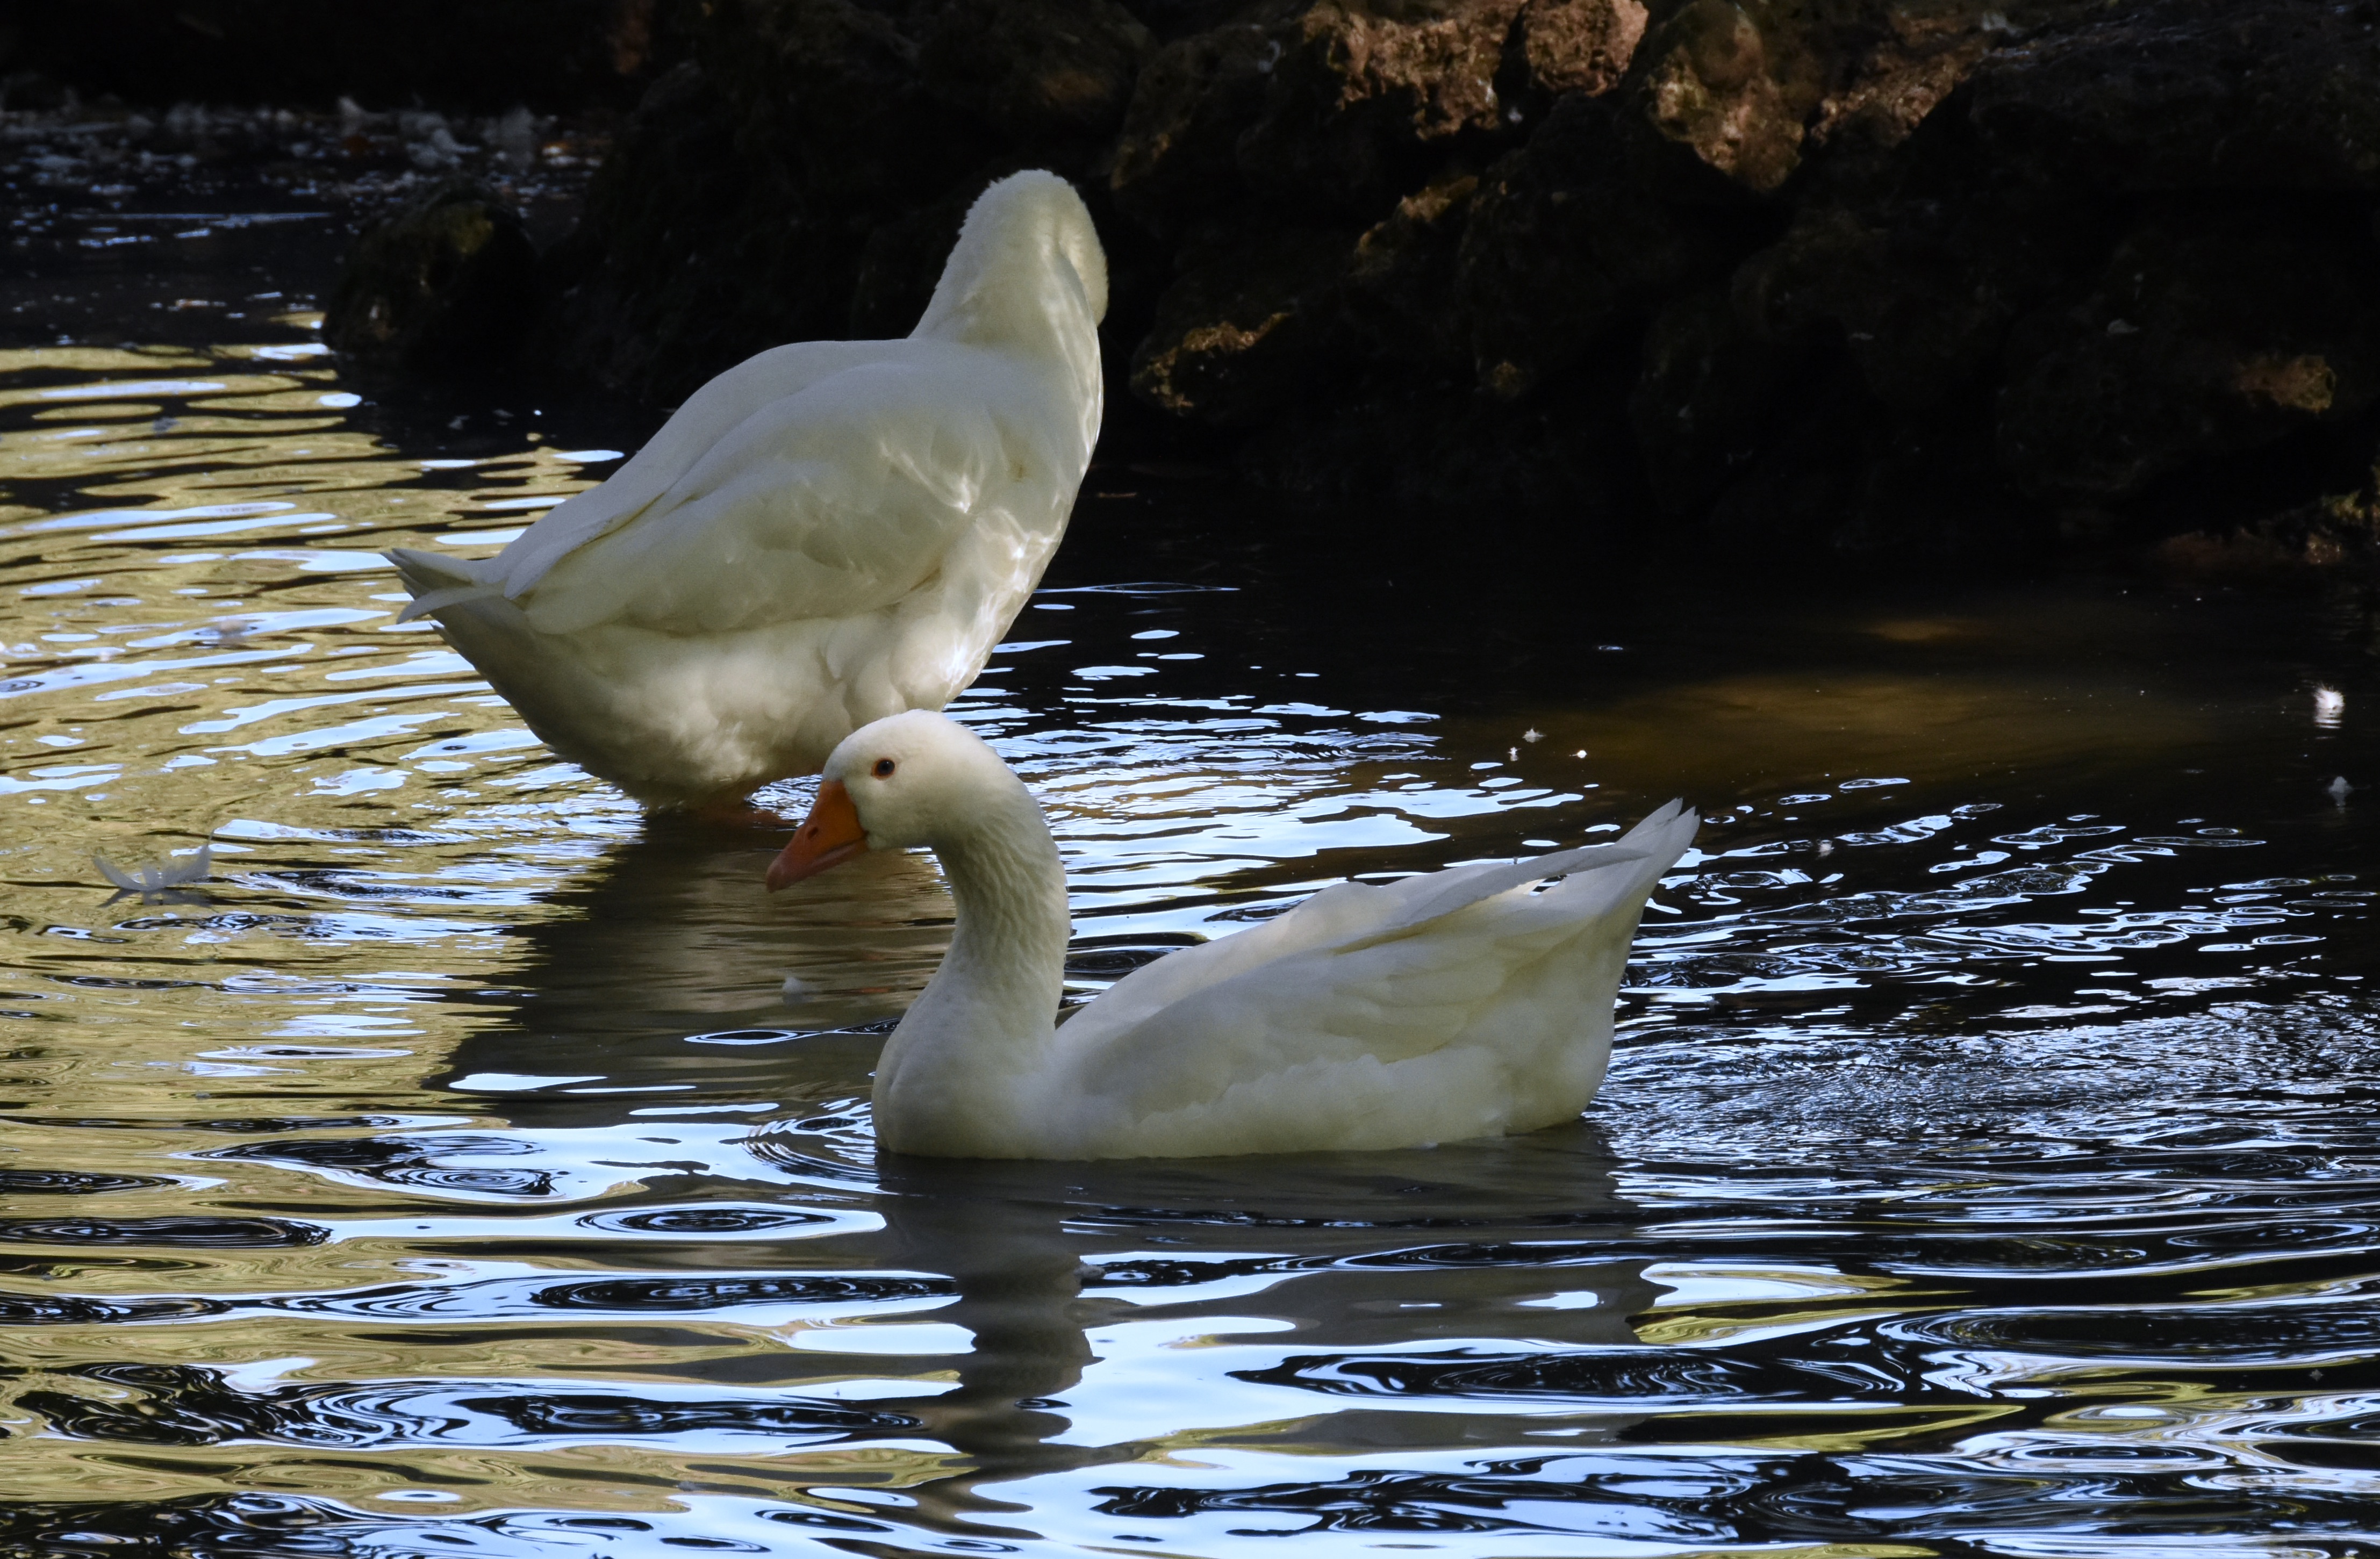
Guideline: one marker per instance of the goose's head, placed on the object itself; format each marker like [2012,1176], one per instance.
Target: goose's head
[1027,246]
[913,779]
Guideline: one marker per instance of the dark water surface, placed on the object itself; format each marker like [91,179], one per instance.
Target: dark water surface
[1990,1165]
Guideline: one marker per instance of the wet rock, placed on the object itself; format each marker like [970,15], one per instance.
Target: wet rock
[2319,540]
[443,285]
[2338,532]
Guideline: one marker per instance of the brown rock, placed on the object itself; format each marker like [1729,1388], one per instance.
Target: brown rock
[2332,534]
[1734,94]
[1892,81]
[1359,86]
[1577,45]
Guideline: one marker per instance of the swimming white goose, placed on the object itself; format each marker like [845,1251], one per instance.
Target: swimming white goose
[830,532]
[1449,1005]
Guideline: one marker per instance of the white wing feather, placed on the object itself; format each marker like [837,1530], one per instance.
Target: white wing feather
[1357,972]
[836,500]
[689,434]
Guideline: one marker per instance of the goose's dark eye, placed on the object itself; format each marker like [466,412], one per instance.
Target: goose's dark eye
[884,769]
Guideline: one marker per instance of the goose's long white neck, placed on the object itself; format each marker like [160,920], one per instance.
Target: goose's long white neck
[967,1072]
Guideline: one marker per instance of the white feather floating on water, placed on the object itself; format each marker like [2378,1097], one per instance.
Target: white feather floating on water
[151,878]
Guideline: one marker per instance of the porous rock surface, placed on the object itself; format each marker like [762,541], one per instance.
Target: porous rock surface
[1814,279]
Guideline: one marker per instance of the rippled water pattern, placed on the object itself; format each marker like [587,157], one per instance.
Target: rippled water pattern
[1990,1165]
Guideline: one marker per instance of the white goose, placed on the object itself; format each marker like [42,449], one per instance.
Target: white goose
[1449,1005]
[830,532]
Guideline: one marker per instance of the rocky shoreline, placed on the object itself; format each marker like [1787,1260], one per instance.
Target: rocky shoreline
[1883,284]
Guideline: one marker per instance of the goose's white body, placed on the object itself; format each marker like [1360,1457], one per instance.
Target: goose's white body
[826,534]
[1456,1004]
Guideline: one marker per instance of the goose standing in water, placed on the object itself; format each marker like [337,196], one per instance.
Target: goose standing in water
[829,533]
[1450,1005]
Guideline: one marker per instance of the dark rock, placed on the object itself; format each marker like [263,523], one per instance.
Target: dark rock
[1038,70]
[1576,233]
[673,273]
[1344,106]
[1451,449]
[1359,91]
[899,265]
[2341,531]
[1245,332]
[443,285]
[834,98]
[802,176]
[1920,314]
[1831,280]
[1403,271]
[1950,281]
[1736,95]
[1711,394]
[2188,94]
[2204,339]
[1177,159]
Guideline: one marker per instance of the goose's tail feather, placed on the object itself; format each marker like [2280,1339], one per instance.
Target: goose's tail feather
[438,581]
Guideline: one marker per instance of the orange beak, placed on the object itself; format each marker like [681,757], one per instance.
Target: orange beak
[827,837]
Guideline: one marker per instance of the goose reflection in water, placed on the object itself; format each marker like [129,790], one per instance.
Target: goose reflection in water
[672,937]
[1320,1254]
[1006,1309]
[661,974]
